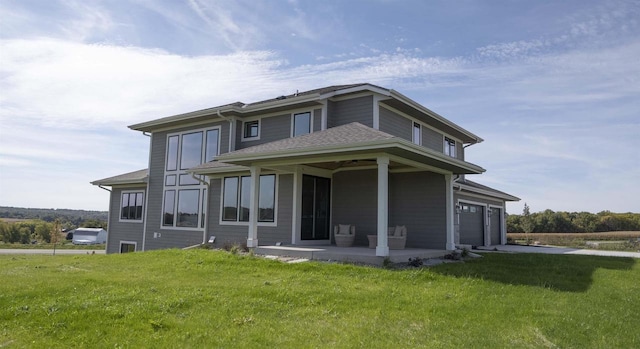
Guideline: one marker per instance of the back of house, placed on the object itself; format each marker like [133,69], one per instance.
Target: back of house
[287,170]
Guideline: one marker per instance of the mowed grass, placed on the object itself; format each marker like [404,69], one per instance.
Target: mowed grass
[205,299]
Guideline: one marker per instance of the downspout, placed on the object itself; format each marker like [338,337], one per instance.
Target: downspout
[231,147]
[146,202]
[206,214]
[101,187]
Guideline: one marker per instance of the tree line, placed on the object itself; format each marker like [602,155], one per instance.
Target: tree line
[69,219]
[549,221]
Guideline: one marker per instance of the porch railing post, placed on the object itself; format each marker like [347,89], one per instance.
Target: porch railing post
[382,249]
[451,245]
[252,239]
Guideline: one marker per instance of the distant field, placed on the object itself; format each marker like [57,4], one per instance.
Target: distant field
[612,241]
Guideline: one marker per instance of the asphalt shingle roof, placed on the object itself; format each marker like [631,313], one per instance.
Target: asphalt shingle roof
[139,176]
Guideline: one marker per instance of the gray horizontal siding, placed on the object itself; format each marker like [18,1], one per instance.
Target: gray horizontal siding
[317,120]
[432,139]
[459,151]
[354,201]
[122,231]
[417,200]
[351,110]
[271,129]
[237,234]
[395,124]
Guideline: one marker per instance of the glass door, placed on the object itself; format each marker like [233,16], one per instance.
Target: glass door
[316,193]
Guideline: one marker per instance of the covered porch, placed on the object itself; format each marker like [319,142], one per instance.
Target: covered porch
[360,162]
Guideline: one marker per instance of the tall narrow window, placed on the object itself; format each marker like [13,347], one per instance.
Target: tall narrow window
[172,153]
[450,147]
[230,199]
[169,201]
[245,198]
[301,124]
[417,133]
[212,145]
[267,199]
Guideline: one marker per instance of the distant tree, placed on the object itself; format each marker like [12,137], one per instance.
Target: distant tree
[43,232]
[93,223]
[527,221]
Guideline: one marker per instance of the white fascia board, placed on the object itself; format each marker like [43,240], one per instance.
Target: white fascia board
[227,169]
[399,96]
[486,192]
[365,87]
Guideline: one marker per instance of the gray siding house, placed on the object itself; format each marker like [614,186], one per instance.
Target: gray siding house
[287,170]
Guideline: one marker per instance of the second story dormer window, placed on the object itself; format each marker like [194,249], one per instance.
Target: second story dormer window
[251,129]
[301,124]
[450,147]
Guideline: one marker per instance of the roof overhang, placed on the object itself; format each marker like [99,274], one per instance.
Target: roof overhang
[140,177]
[398,148]
[486,191]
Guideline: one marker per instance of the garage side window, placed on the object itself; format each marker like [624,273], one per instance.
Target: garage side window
[131,206]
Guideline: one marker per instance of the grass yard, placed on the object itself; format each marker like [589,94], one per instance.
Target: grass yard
[200,298]
[67,245]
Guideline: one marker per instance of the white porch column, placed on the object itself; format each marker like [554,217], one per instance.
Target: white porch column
[382,249]
[297,206]
[451,245]
[252,240]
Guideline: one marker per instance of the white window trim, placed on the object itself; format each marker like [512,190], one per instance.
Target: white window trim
[246,224]
[135,245]
[248,139]
[201,187]
[446,145]
[143,206]
[293,122]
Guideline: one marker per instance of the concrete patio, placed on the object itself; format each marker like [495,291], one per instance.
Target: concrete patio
[347,254]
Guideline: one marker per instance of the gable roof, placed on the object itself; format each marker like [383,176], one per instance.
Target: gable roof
[135,177]
[311,98]
[350,140]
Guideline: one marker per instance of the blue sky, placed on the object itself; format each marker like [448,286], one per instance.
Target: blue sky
[552,86]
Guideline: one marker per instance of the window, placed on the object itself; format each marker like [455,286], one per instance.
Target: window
[301,124]
[450,147]
[252,129]
[417,132]
[237,196]
[131,206]
[184,201]
[127,246]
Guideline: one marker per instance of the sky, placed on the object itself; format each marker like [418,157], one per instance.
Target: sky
[553,87]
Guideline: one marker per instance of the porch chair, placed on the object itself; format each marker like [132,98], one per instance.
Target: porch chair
[396,238]
[344,234]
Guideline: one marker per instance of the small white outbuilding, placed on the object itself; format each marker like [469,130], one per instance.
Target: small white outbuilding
[89,236]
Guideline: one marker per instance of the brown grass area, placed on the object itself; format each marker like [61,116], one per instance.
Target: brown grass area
[609,235]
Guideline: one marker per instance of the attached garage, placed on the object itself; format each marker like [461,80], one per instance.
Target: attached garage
[471,224]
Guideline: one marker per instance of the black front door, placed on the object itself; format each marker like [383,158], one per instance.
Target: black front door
[315,208]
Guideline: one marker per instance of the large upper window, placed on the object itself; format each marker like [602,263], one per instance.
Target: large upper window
[417,133]
[450,147]
[237,194]
[301,124]
[184,201]
[131,206]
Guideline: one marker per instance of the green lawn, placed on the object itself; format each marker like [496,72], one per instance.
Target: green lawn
[67,245]
[200,298]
